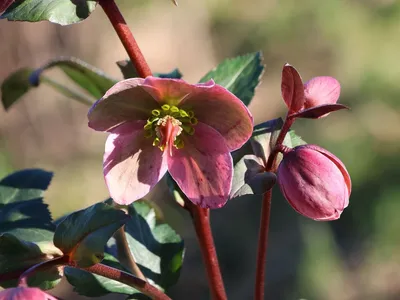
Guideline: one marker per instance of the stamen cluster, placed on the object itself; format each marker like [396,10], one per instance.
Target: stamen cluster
[169,115]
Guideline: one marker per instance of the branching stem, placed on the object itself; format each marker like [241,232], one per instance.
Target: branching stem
[265,217]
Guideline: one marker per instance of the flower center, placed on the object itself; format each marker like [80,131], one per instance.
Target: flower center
[167,124]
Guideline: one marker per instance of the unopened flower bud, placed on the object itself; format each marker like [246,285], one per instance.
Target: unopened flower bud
[19,293]
[315,182]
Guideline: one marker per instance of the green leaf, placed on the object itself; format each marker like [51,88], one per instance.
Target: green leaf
[94,81]
[129,71]
[83,234]
[90,285]
[249,176]
[157,248]
[293,140]
[26,230]
[240,75]
[22,211]
[91,79]
[15,86]
[16,255]
[63,12]
[174,74]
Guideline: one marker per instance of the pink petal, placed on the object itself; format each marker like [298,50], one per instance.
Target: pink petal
[4,5]
[217,107]
[203,167]
[292,88]
[339,164]
[23,293]
[125,101]
[166,90]
[321,90]
[319,111]
[132,165]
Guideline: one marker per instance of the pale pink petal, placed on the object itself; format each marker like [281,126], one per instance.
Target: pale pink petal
[24,293]
[341,167]
[292,88]
[321,90]
[203,167]
[166,90]
[217,107]
[132,165]
[125,101]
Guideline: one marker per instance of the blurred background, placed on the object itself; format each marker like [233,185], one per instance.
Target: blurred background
[358,42]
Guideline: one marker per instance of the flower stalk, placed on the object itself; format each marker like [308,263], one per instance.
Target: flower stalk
[124,33]
[265,216]
[201,222]
[125,255]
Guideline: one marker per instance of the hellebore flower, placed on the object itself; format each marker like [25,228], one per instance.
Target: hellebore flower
[4,4]
[315,182]
[167,124]
[314,99]
[24,293]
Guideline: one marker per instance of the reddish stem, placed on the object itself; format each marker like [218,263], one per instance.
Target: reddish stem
[201,221]
[117,20]
[121,276]
[262,246]
[265,217]
[58,261]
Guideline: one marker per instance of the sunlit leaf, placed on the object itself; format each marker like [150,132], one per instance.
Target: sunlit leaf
[63,12]
[240,75]
[83,234]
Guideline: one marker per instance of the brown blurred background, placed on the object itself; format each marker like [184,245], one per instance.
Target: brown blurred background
[358,42]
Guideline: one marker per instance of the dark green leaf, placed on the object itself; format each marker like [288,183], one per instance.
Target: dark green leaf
[83,234]
[129,71]
[46,279]
[22,211]
[249,175]
[91,79]
[157,248]
[15,86]
[90,285]
[175,74]
[26,230]
[63,12]
[240,75]
[16,255]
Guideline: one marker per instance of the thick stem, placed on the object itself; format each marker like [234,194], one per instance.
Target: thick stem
[121,276]
[262,246]
[58,261]
[125,254]
[201,221]
[265,217]
[117,20]
[285,129]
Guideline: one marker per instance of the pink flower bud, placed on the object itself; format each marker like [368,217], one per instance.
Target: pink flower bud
[315,182]
[21,293]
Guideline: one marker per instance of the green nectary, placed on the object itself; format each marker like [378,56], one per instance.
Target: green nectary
[186,121]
